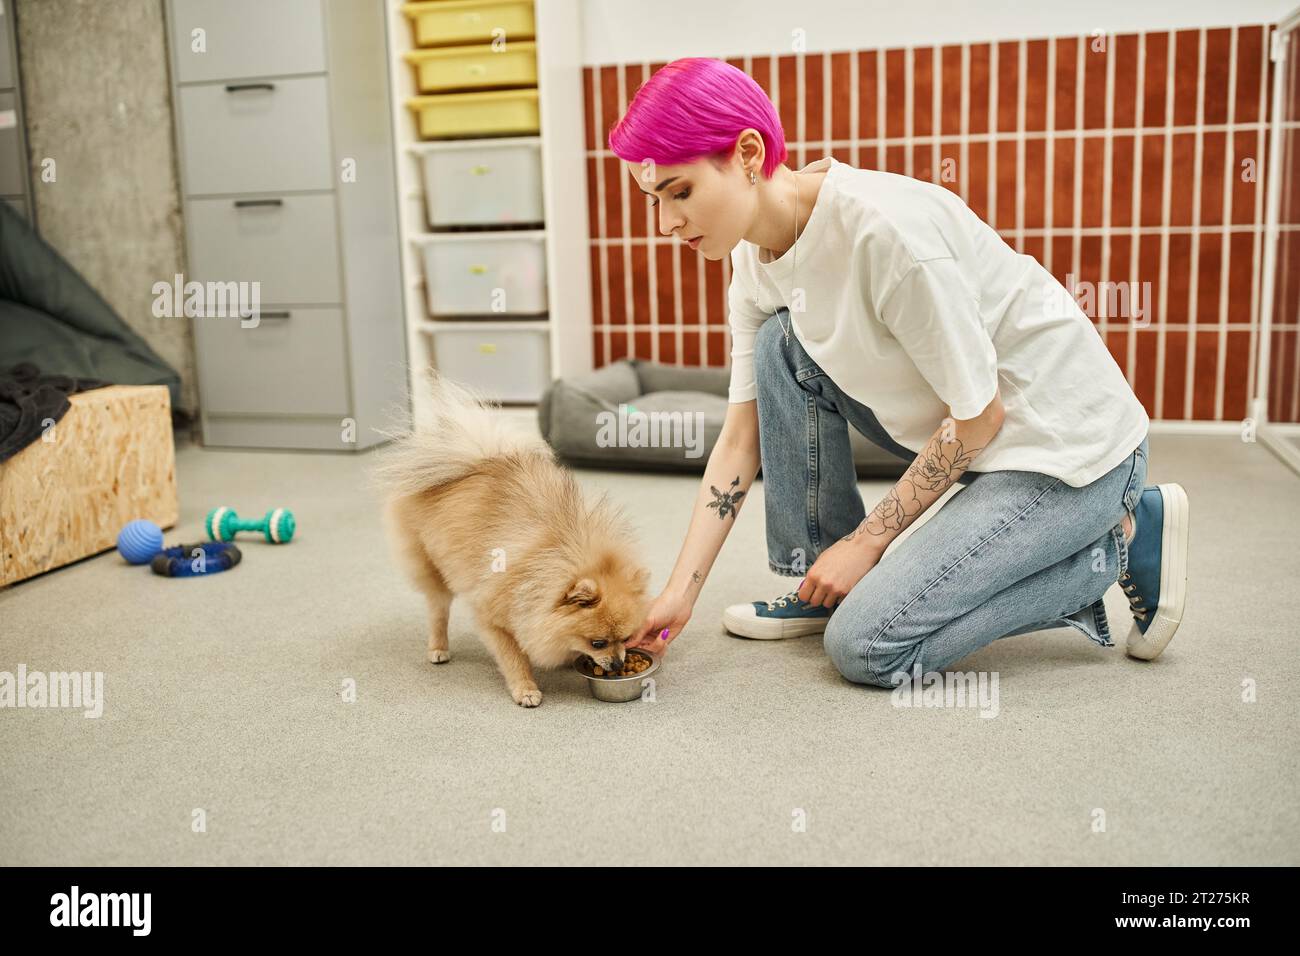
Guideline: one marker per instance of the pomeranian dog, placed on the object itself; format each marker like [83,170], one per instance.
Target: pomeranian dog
[478,509]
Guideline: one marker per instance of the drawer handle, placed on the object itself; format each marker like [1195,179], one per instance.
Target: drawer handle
[488,348]
[241,87]
[244,203]
[477,270]
[480,170]
[471,17]
[477,69]
[275,315]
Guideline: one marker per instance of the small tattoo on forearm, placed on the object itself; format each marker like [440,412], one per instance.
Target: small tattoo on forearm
[726,502]
[696,577]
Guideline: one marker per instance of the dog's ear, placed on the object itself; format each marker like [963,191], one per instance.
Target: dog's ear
[583,593]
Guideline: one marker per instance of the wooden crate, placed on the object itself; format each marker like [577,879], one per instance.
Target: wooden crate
[109,460]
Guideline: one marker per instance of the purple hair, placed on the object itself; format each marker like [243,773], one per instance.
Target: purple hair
[694,107]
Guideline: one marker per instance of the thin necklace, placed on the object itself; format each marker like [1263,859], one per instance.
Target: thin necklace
[794,266]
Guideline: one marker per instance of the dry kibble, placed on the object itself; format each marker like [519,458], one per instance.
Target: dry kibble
[633,664]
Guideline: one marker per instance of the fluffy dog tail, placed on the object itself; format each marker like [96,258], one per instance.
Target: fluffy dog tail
[464,430]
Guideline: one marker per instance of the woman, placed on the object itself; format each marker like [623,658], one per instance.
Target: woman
[875,300]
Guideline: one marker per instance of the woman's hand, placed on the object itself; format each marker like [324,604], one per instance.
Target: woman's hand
[837,570]
[667,616]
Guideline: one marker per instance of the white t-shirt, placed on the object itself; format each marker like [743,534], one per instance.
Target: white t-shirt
[917,308]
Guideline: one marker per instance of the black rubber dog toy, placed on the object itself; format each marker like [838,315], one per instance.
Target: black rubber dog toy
[180,561]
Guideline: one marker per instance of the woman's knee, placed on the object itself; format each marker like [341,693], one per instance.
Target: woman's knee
[859,658]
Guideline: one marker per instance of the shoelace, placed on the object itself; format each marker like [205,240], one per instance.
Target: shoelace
[785,599]
[1133,598]
[1130,590]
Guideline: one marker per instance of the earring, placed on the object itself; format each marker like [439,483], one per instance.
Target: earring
[751,177]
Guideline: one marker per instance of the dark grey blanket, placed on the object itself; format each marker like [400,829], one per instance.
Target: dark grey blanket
[30,401]
[53,319]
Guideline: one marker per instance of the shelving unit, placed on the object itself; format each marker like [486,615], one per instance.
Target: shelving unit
[565,323]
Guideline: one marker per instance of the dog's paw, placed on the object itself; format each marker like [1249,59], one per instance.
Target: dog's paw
[527,696]
[439,657]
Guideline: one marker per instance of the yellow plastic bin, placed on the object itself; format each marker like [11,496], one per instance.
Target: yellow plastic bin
[474,67]
[496,112]
[451,22]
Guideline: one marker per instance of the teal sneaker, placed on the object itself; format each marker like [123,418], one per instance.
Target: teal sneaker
[1156,579]
[787,616]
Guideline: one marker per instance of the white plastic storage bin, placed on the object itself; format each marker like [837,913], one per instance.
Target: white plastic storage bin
[508,365]
[483,183]
[494,273]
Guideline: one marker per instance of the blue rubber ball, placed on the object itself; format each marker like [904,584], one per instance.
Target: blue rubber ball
[139,541]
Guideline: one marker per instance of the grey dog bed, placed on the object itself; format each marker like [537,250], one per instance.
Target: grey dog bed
[581,419]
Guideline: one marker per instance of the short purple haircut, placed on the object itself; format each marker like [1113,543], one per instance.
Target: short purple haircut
[697,107]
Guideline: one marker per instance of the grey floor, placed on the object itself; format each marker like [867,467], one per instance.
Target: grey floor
[224,696]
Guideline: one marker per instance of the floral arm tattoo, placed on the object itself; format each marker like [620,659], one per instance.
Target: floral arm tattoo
[938,465]
[726,502]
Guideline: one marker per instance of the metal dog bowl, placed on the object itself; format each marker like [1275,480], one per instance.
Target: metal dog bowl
[618,689]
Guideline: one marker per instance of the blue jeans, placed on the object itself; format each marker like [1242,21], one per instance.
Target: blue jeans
[1011,552]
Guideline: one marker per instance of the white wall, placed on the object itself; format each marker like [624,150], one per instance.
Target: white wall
[645,31]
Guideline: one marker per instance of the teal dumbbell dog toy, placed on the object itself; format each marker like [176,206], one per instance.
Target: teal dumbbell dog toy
[223,524]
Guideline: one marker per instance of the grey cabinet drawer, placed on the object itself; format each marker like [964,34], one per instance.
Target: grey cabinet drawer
[6,58]
[289,244]
[12,160]
[256,140]
[283,366]
[247,38]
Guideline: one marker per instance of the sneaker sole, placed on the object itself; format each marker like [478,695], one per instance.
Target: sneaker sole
[770,629]
[1173,578]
